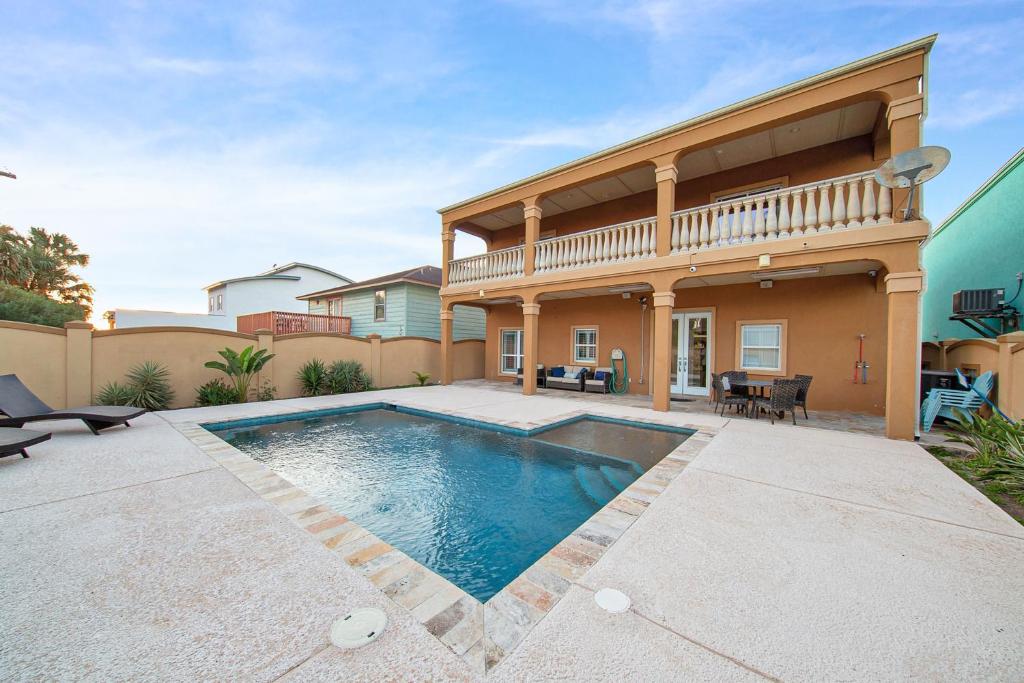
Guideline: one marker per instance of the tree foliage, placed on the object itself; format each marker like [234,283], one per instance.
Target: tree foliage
[29,307]
[42,262]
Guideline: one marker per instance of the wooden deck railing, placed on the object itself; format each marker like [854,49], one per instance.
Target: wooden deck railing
[281,322]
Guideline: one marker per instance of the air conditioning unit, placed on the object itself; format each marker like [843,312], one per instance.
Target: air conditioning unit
[977,301]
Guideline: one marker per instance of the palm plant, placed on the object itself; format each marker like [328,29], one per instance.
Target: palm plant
[313,377]
[241,368]
[346,376]
[422,378]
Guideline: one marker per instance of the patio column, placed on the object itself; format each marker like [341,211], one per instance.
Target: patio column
[531,214]
[903,365]
[447,347]
[666,178]
[531,321]
[661,365]
[447,251]
[903,117]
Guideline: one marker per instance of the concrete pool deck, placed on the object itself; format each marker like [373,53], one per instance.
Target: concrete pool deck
[779,552]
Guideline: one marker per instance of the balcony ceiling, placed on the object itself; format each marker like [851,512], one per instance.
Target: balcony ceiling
[838,124]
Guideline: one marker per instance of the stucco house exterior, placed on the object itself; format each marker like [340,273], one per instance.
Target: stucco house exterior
[272,290]
[402,304]
[753,237]
[980,246]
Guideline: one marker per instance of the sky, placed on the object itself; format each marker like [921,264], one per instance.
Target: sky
[180,143]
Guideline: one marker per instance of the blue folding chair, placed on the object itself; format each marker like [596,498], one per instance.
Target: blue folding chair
[943,402]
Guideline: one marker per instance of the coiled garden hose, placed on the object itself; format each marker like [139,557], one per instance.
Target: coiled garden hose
[620,378]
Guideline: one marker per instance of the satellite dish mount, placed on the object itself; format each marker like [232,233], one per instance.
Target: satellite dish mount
[910,169]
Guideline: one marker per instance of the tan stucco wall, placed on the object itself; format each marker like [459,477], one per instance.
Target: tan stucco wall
[824,317]
[973,352]
[37,355]
[828,161]
[1016,408]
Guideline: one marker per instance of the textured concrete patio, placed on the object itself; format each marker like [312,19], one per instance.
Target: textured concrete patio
[779,552]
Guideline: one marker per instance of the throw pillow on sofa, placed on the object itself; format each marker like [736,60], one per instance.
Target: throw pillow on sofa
[558,372]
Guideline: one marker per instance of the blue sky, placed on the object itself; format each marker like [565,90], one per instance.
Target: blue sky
[184,142]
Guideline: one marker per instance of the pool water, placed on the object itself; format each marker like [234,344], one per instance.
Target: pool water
[474,505]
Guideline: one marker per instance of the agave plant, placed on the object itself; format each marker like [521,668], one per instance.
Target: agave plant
[313,377]
[346,376]
[241,368]
[114,394]
[150,386]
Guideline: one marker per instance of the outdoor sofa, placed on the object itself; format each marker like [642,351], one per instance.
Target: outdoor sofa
[571,377]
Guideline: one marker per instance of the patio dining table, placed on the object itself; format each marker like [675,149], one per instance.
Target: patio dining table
[759,384]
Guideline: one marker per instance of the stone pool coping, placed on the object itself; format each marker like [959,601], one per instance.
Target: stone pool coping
[482,634]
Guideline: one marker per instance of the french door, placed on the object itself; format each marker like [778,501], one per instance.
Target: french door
[690,362]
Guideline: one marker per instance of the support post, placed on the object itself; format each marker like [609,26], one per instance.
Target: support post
[531,320]
[265,340]
[531,215]
[666,179]
[78,368]
[903,365]
[447,347]
[662,364]
[1005,378]
[375,375]
[447,251]
[903,117]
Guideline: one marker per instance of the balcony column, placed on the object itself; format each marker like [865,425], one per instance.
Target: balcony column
[904,118]
[665,176]
[447,346]
[447,251]
[903,366]
[662,364]
[531,323]
[531,213]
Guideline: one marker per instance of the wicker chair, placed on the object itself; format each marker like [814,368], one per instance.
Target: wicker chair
[783,398]
[726,399]
[801,396]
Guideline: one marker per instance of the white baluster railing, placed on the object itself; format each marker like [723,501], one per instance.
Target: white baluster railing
[612,244]
[842,203]
[494,265]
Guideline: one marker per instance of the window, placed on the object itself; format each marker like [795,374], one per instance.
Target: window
[762,346]
[220,302]
[380,299]
[511,351]
[334,307]
[584,345]
[211,304]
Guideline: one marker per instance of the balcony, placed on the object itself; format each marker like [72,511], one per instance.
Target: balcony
[836,204]
[281,322]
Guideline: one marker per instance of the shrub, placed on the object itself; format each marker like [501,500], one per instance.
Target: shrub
[422,378]
[266,391]
[114,394]
[216,393]
[313,377]
[999,444]
[29,307]
[346,376]
[241,368]
[146,385]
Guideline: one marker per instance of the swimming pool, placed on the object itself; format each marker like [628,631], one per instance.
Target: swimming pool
[476,505]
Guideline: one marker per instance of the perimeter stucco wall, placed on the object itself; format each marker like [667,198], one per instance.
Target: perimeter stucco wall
[40,357]
[823,316]
[827,161]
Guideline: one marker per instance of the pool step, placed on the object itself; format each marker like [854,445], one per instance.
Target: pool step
[595,485]
[618,479]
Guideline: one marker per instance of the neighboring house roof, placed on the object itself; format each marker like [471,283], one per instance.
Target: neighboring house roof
[993,180]
[921,43]
[429,276]
[275,274]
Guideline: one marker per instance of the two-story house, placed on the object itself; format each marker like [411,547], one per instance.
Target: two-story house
[402,304]
[754,237]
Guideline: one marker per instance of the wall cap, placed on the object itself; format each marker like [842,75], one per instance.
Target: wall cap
[373,336]
[77,325]
[172,328]
[263,332]
[32,327]
[1011,338]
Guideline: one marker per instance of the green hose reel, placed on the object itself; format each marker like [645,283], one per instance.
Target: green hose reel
[620,372]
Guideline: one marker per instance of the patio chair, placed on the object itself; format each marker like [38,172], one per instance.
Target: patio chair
[20,405]
[725,398]
[944,402]
[801,396]
[737,375]
[600,382]
[13,440]
[783,398]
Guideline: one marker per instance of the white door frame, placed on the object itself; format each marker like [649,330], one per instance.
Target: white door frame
[679,317]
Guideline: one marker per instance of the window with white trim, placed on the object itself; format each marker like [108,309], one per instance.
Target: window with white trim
[511,351]
[380,299]
[211,304]
[761,346]
[220,302]
[584,345]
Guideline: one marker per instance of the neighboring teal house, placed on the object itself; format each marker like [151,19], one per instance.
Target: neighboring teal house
[980,246]
[404,304]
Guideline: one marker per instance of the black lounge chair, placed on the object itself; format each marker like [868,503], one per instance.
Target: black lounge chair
[13,440]
[20,405]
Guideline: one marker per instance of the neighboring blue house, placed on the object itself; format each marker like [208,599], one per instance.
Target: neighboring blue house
[404,304]
[980,246]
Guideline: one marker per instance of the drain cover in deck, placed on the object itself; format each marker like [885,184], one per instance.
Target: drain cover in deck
[358,627]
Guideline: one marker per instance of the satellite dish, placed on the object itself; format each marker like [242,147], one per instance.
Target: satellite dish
[912,168]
